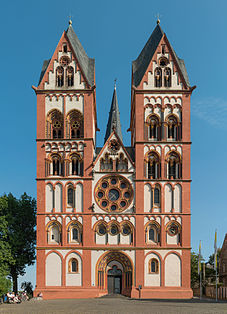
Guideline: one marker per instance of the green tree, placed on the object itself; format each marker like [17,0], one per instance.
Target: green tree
[5,252]
[21,234]
[194,270]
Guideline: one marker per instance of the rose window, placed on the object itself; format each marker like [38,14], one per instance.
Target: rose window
[113,193]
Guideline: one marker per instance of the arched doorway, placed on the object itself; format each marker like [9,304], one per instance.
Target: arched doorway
[114,280]
[114,273]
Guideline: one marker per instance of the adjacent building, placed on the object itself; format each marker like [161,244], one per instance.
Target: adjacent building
[223,263]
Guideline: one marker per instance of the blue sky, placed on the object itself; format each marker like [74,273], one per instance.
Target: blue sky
[114,33]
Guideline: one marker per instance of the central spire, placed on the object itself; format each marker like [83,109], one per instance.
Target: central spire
[114,117]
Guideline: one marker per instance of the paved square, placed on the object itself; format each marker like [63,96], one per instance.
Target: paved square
[116,304]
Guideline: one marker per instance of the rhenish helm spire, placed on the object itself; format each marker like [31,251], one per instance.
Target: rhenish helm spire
[114,122]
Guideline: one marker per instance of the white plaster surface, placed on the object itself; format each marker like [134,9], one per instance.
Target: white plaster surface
[147,198]
[58,198]
[53,270]
[172,271]
[49,198]
[168,198]
[79,198]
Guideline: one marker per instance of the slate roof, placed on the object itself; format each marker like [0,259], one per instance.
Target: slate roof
[140,65]
[114,122]
[87,64]
[44,67]
[131,152]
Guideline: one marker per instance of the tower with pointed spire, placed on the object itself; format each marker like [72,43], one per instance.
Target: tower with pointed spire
[160,135]
[113,219]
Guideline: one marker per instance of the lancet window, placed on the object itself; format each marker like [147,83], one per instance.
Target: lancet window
[156,196]
[167,77]
[162,74]
[74,233]
[54,233]
[76,165]
[158,77]
[153,266]
[153,128]
[173,128]
[59,76]
[174,166]
[57,167]
[153,233]
[75,125]
[106,163]
[70,76]
[153,166]
[122,163]
[71,196]
[54,124]
[73,265]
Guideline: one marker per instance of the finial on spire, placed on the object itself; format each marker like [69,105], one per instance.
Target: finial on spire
[158,18]
[115,85]
[70,19]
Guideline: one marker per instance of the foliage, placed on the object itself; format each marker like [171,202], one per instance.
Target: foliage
[5,253]
[5,284]
[194,270]
[20,215]
[27,286]
[211,259]
[210,272]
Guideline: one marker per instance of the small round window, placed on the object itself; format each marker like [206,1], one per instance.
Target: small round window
[102,230]
[114,230]
[126,230]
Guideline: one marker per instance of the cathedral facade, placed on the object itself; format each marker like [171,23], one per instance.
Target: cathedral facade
[113,219]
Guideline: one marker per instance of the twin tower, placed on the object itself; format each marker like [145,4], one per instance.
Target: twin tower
[113,219]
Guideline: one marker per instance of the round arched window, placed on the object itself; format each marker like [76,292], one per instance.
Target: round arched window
[101,229]
[114,230]
[126,230]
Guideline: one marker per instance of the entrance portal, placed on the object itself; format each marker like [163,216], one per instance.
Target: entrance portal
[114,280]
[115,273]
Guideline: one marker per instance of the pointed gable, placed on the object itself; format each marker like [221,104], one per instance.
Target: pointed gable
[141,64]
[122,150]
[84,67]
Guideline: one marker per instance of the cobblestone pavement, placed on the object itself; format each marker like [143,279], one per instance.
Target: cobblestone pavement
[113,305]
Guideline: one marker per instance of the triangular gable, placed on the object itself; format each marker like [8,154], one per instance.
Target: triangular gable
[141,65]
[79,56]
[113,135]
